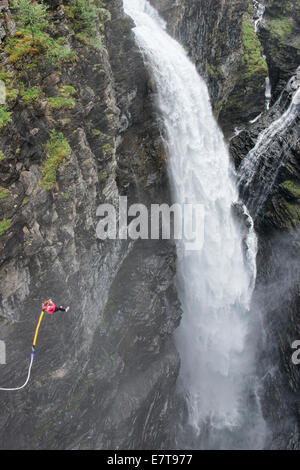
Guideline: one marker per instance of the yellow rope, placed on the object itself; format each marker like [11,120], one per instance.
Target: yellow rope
[38,327]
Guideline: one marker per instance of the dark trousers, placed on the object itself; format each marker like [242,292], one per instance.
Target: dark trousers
[60,308]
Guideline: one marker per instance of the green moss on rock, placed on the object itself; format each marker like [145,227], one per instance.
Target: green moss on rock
[247,98]
[60,102]
[4,193]
[58,149]
[281,27]
[292,188]
[4,225]
[253,63]
[4,117]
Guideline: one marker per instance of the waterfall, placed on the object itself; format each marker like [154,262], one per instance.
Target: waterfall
[268,93]
[259,13]
[215,283]
[263,159]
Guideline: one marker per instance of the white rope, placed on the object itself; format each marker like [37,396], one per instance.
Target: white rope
[28,377]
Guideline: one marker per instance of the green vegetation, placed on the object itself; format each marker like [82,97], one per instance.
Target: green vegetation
[1,156]
[30,14]
[67,90]
[292,188]
[11,93]
[4,117]
[57,53]
[292,211]
[31,95]
[281,27]
[65,100]
[102,176]
[4,225]
[58,150]
[107,150]
[250,9]
[214,71]
[25,201]
[89,16]
[85,14]
[31,41]
[4,192]
[289,203]
[60,102]
[92,41]
[254,65]
[24,51]
[21,48]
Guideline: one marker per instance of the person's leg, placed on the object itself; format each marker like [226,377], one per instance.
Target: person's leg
[62,309]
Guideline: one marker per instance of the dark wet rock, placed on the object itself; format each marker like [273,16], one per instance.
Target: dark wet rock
[280,36]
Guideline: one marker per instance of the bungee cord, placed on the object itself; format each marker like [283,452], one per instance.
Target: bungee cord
[31,358]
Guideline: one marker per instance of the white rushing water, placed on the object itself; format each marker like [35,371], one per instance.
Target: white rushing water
[258,157]
[268,93]
[259,13]
[215,283]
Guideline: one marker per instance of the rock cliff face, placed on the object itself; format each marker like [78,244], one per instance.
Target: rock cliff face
[280,35]
[104,373]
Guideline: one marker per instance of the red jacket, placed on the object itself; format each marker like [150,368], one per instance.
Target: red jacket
[50,308]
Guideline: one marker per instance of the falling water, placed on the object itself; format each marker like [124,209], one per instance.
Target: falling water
[259,11]
[262,158]
[215,283]
[268,93]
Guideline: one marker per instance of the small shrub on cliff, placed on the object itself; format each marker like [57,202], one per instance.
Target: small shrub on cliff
[4,117]
[85,15]
[56,52]
[89,17]
[24,52]
[58,150]
[21,48]
[31,95]
[30,14]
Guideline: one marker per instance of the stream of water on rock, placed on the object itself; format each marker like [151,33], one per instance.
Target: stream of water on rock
[215,284]
[263,159]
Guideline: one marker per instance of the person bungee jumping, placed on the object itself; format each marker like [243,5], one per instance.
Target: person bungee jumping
[47,306]
[50,307]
